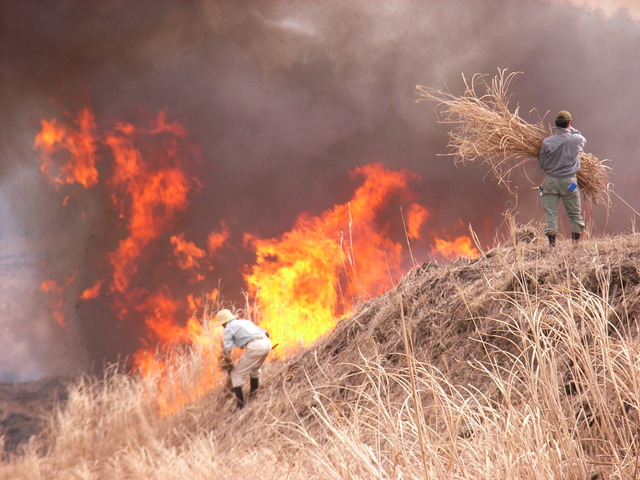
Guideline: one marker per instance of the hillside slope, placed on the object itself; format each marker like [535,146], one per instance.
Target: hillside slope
[484,337]
[523,363]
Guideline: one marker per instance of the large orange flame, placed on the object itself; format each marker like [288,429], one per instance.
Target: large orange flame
[188,256]
[304,281]
[300,284]
[416,216]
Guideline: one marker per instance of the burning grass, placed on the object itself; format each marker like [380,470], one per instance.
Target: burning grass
[521,364]
[486,130]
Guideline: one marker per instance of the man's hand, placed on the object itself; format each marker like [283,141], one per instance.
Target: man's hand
[225,362]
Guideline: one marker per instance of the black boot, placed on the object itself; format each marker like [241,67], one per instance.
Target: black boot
[254,387]
[575,236]
[239,396]
[552,239]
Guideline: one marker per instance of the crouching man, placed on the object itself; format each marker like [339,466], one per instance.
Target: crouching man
[254,340]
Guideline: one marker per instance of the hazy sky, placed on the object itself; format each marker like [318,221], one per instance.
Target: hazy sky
[609,7]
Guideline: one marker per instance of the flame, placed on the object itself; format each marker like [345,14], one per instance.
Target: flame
[300,284]
[148,188]
[175,386]
[188,256]
[93,292]
[149,193]
[56,290]
[78,141]
[216,240]
[304,281]
[461,246]
[415,219]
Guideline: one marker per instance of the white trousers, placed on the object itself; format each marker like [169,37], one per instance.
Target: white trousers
[251,360]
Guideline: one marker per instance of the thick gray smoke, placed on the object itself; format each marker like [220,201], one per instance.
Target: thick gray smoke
[283,99]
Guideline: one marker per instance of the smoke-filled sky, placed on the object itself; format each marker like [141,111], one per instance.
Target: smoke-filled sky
[281,100]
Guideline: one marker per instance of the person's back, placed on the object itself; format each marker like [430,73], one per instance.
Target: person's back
[559,159]
[239,331]
[560,153]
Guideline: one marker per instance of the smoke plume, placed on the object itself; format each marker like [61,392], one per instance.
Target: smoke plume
[279,101]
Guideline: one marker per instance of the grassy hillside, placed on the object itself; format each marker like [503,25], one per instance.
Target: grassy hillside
[521,364]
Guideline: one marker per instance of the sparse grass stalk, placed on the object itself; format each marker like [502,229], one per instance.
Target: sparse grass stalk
[417,402]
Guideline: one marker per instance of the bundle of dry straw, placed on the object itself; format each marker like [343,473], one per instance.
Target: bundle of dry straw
[486,130]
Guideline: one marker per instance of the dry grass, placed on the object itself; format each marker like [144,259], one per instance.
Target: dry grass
[524,364]
[486,130]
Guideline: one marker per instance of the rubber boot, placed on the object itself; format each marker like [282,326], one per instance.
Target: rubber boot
[552,240]
[254,387]
[575,236]
[239,396]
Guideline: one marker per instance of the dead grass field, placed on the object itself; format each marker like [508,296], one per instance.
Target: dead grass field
[522,364]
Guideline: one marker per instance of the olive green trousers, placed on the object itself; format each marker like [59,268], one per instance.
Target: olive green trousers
[566,188]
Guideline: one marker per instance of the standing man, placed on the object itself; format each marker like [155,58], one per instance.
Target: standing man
[254,340]
[560,159]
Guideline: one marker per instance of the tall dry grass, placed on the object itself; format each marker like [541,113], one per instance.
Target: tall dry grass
[536,376]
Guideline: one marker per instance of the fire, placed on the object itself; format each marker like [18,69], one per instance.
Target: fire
[177,387]
[458,247]
[78,141]
[188,256]
[149,192]
[93,292]
[148,188]
[304,281]
[300,284]
[217,240]
[415,218]
[56,290]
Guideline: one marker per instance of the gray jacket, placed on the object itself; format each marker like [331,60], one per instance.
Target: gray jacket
[560,153]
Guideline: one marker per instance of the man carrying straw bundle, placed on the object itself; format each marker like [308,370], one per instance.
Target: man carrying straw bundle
[559,159]
[486,130]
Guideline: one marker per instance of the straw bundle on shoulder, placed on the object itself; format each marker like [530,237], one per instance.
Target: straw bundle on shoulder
[488,131]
